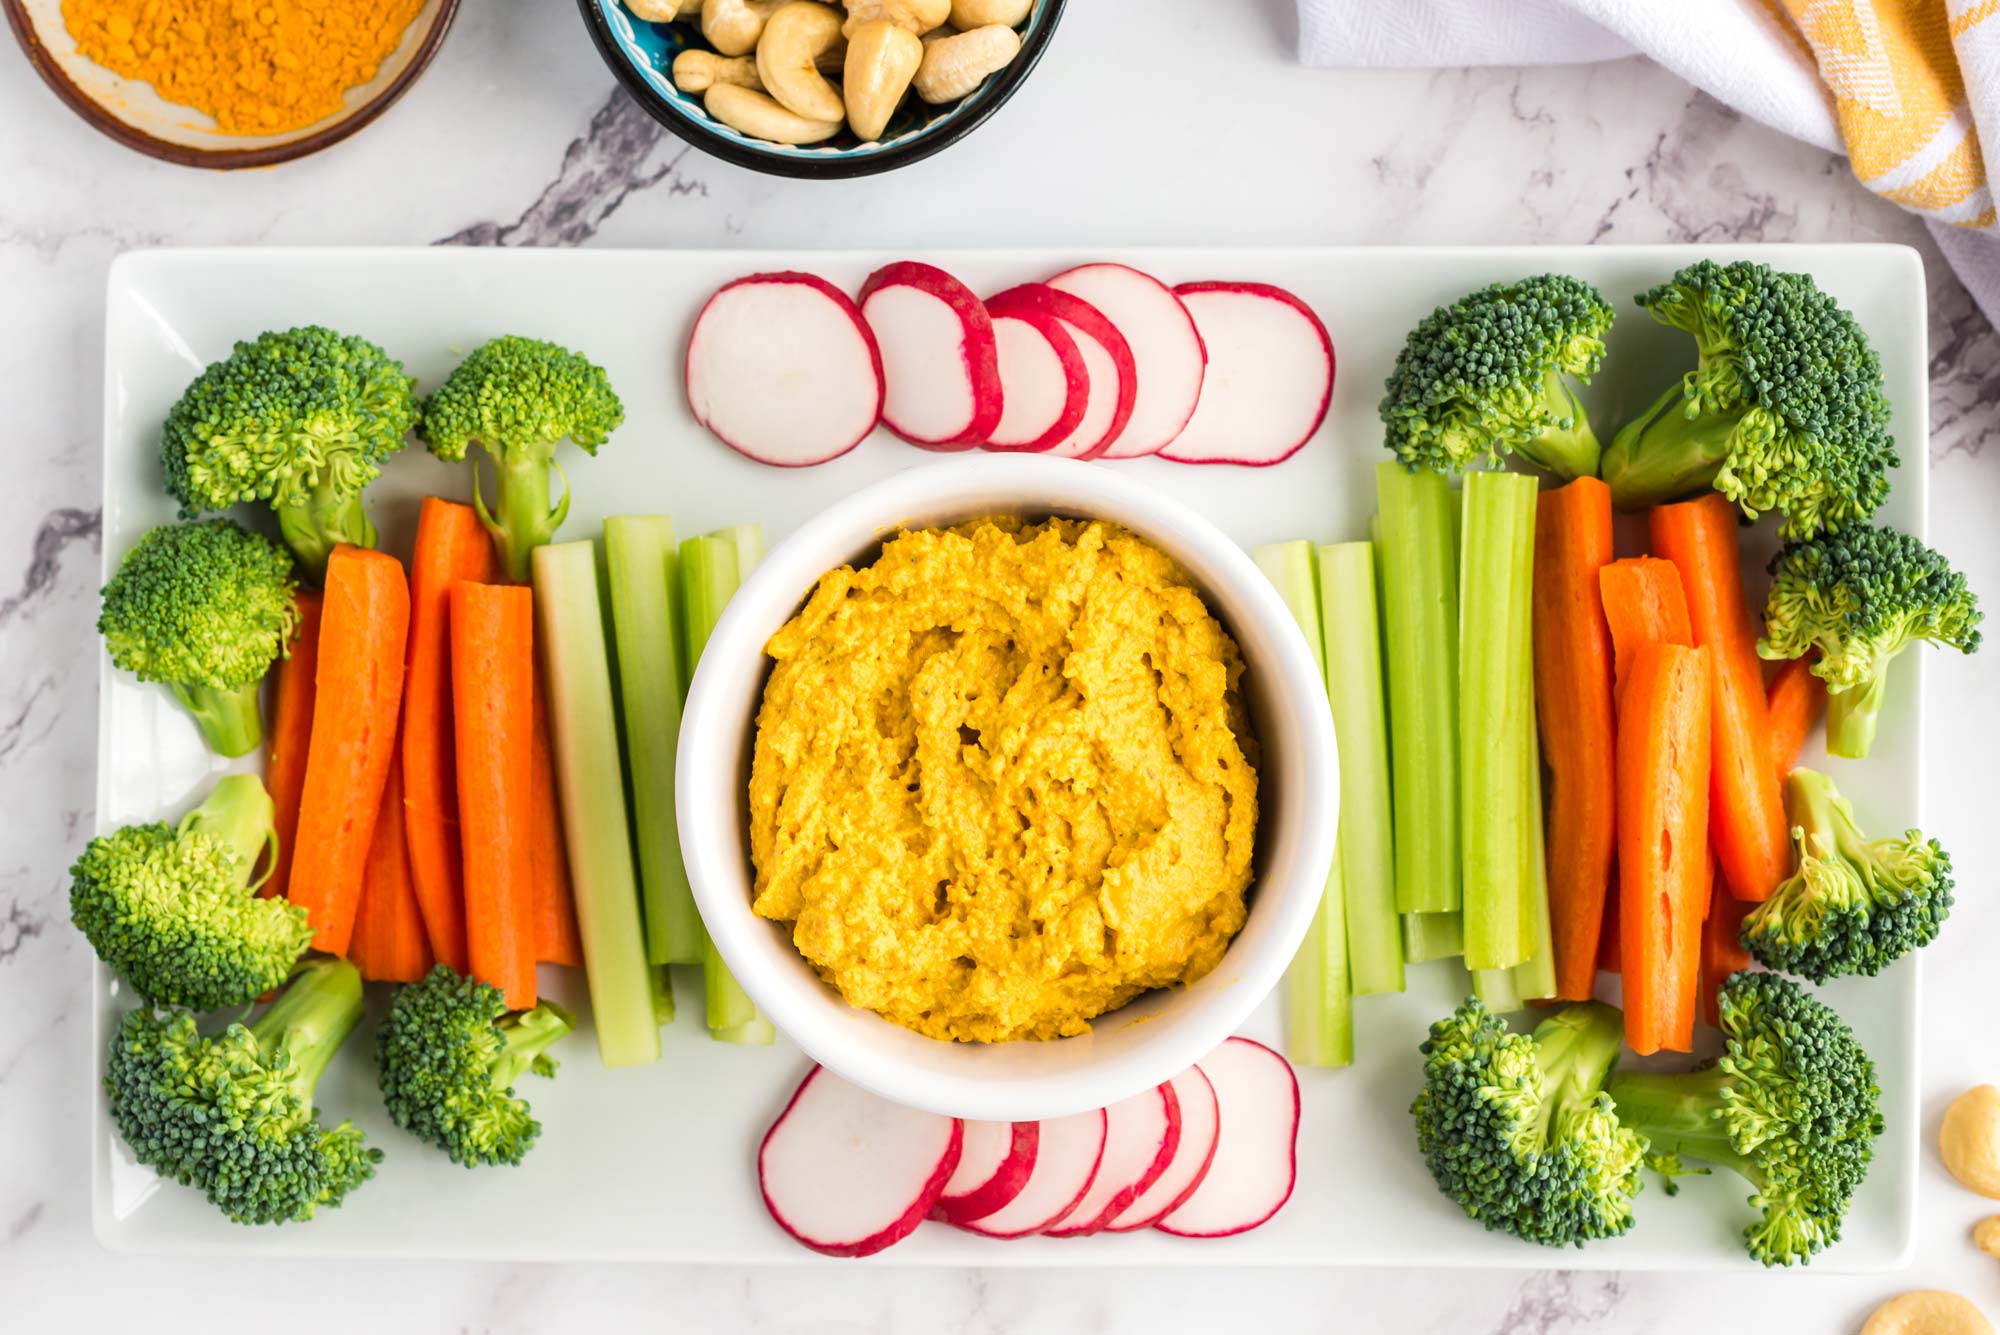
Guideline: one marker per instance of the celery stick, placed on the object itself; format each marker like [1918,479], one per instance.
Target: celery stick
[1497,988]
[1432,936]
[1495,732]
[1420,618]
[711,569]
[1534,978]
[590,780]
[639,550]
[1351,637]
[1319,1008]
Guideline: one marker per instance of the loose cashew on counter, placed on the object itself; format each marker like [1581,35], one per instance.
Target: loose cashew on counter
[794,39]
[1969,1140]
[761,116]
[969,14]
[698,71]
[958,64]
[1927,1312]
[1986,1235]
[882,59]
[733,26]
[919,16]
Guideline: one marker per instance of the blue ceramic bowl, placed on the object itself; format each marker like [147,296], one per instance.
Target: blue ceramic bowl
[642,55]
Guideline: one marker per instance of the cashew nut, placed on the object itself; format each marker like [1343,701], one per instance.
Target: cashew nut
[1927,1312]
[955,66]
[793,39]
[663,11]
[1969,1140]
[760,116]
[919,16]
[969,14]
[881,60]
[733,26]
[698,71]
[1986,1235]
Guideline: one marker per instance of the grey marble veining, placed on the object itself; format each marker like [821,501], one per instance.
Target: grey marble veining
[1191,127]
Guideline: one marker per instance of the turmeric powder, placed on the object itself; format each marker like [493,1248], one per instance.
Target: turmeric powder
[255,66]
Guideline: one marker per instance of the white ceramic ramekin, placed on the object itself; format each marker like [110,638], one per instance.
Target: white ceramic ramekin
[1130,1049]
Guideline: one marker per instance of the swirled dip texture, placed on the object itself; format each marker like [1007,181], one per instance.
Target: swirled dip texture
[1003,779]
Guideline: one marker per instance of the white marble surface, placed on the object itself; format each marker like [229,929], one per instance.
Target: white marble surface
[1192,126]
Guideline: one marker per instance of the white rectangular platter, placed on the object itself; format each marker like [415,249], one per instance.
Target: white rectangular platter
[657,1163]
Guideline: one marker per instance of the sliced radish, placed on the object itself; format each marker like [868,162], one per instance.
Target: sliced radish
[1065,1162]
[938,355]
[1270,375]
[992,1168]
[1044,384]
[783,369]
[1256,1155]
[1140,1137]
[1195,1098]
[848,1173]
[1165,345]
[1107,365]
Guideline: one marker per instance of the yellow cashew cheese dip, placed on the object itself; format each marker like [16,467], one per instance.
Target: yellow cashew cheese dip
[1004,780]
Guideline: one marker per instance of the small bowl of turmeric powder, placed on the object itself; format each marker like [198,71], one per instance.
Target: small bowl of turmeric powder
[229,83]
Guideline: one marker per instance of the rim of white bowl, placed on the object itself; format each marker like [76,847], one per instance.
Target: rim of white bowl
[813,1015]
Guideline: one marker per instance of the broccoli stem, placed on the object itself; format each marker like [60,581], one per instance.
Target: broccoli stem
[324,522]
[1851,716]
[1576,1049]
[527,1036]
[228,717]
[310,1020]
[1571,451]
[1680,1114]
[241,817]
[1665,454]
[526,520]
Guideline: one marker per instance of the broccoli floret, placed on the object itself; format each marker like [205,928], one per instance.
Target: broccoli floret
[1519,1131]
[205,608]
[1490,375]
[1784,410]
[173,910]
[301,420]
[1855,905]
[1792,1105]
[518,398]
[448,1056]
[233,1114]
[1859,597]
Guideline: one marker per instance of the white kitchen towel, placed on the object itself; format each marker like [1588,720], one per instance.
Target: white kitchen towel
[1902,87]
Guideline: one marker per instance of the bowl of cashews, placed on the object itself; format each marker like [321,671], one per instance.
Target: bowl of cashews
[811,89]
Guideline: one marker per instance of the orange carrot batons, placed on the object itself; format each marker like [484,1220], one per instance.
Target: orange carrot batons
[359,694]
[389,944]
[1796,699]
[557,940]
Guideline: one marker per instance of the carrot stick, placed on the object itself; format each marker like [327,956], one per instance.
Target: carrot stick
[359,695]
[493,721]
[1751,835]
[1643,604]
[1573,679]
[291,736]
[1663,860]
[1796,700]
[452,547]
[1722,951]
[1610,956]
[556,938]
[389,944]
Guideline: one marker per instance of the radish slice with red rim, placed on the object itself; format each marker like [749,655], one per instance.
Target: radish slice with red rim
[1044,386]
[1107,364]
[992,1168]
[1140,1138]
[1194,1098]
[1166,351]
[938,356]
[1256,1154]
[848,1173]
[782,369]
[1065,1162]
[1270,375]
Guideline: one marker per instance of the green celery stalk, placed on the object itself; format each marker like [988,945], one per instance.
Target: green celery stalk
[1419,527]
[1351,636]
[640,554]
[590,778]
[1495,732]
[1535,977]
[1497,988]
[1433,936]
[711,569]
[1319,1005]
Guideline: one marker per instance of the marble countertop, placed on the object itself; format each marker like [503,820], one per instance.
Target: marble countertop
[517,137]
